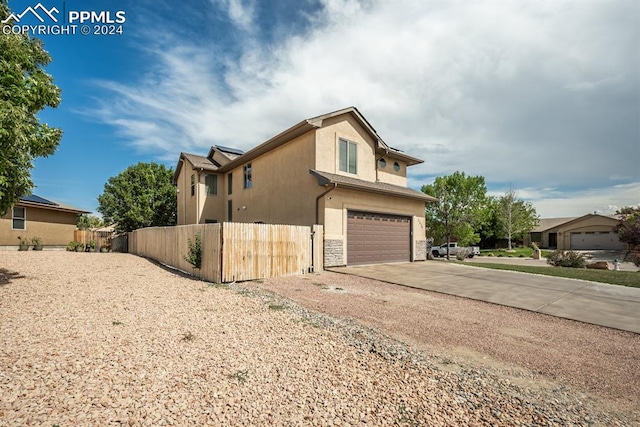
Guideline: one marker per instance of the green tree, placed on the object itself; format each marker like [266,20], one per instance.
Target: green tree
[460,208]
[141,196]
[25,89]
[490,230]
[628,228]
[627,210]
[89,221]
[516,217]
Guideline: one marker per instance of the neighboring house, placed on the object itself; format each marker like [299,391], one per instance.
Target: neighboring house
[332,170]
[34,216]
[588,232]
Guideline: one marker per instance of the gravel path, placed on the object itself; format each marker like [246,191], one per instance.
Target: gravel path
[113,339]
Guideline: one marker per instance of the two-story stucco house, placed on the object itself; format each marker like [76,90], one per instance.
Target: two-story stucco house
[332,170]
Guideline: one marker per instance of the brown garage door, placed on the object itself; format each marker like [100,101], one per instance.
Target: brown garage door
[375,238]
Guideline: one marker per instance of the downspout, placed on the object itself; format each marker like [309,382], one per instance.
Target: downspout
[335,185]
[324,193]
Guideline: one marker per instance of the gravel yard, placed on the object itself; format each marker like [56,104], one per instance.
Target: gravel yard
[113,339]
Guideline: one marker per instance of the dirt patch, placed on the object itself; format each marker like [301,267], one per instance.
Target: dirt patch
[529,347]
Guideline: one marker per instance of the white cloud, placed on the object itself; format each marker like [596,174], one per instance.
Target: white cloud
[240,13]
[603,201]
[540,94]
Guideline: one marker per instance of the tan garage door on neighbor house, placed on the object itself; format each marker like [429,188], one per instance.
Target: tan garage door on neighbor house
[374,238]
[596,240]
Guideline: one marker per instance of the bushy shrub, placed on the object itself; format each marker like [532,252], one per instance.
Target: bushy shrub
[462,254]
[194,257]
[573,259]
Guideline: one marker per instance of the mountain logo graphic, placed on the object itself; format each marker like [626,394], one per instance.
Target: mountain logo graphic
[34,11]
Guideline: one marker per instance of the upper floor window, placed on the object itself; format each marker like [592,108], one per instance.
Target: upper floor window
[382,163]
[396,166]
[248,182]
[193,185]
[211,184]
[230,183]
[19,219]
[348,156]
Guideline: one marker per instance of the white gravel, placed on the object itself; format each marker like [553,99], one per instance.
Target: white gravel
[113,339]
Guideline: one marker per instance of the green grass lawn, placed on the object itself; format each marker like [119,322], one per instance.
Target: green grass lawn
[622,278]
[514,253]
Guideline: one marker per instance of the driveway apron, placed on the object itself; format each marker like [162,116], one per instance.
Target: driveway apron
[601,304]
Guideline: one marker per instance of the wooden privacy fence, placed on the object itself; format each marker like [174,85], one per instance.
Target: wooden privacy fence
[234,251]
[102,238]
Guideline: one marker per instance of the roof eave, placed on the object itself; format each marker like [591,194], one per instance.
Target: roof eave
[323,180]
[280,139]
[52,207]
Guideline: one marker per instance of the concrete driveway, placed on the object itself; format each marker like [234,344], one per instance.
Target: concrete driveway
[601,304]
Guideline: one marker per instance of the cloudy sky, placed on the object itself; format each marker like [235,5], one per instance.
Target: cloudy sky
[539,96]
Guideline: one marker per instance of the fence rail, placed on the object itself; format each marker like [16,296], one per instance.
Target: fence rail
[234,251]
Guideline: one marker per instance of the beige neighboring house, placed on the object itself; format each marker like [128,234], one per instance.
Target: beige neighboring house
[588,232]
[332,170]
[34,216]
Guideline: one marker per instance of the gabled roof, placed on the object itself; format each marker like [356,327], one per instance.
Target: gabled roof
[40,202]
[197,162]
[315,123]
[326,178]
[546,224]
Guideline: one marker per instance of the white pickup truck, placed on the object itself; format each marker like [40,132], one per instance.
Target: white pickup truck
[441,251]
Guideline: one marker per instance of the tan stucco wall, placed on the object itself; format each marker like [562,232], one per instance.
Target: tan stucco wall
[54,227]
[336,203]
[327,147]
[590,223]
[389,175]
[187,213]
[283,191]
[348,128]
[211,207]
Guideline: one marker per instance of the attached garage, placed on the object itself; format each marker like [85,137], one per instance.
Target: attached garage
[377,238]
[596,240]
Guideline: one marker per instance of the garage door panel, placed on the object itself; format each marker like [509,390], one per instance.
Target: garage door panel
[376,238]
[603,240]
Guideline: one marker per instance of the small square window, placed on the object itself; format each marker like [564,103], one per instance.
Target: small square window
[19,220]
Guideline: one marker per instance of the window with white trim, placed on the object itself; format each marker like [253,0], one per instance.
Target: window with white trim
[348,156]
[19,218]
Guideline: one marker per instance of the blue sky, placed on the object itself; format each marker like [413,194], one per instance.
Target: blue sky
[542,97]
